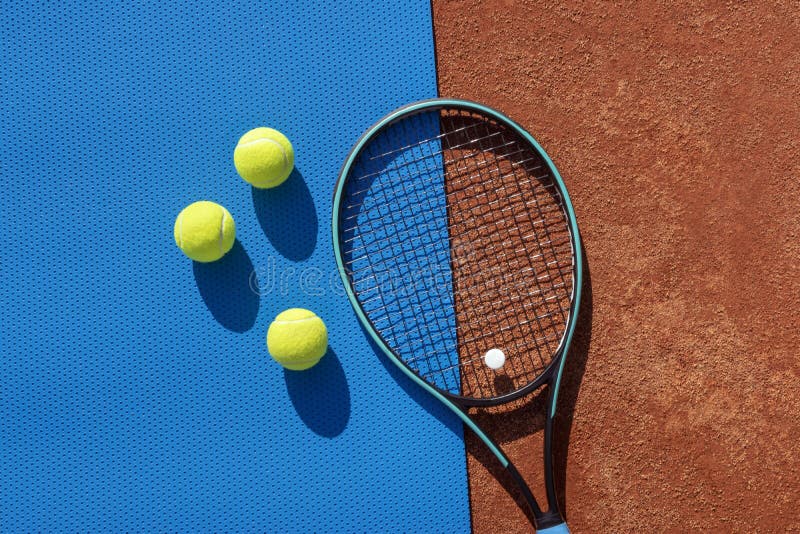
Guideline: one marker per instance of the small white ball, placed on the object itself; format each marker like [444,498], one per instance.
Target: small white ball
[494,358]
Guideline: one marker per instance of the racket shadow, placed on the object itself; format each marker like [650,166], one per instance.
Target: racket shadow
[526,417]
[438,410]
[570,386]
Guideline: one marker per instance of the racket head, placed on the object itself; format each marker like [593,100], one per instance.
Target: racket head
[430,205]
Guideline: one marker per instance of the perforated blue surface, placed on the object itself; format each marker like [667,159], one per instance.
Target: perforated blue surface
[136,393]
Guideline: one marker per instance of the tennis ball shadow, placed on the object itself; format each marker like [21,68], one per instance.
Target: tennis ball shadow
[321,396]
[288,217]
[503,382]
[225,288]
[427,401]
[574,369]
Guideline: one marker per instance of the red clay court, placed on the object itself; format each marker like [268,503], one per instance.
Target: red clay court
[676,129]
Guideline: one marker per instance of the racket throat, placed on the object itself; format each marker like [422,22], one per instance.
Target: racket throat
[550,519]
[543,519]
[523,487]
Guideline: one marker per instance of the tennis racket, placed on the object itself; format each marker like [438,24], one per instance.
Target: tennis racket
[459,250]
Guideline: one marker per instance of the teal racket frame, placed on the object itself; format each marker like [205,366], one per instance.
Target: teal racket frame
[549,521]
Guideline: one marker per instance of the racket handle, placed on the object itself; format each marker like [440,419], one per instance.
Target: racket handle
[555,529]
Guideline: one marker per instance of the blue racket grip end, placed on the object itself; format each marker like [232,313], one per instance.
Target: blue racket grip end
[555,529]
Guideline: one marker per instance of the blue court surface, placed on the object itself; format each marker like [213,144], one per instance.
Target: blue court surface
[136,391]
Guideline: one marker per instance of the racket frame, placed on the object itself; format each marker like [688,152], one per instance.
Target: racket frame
[551,519]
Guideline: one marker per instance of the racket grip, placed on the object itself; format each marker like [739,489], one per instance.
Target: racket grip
[561,528]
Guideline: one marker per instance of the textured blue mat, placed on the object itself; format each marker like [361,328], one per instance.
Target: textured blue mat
[136,393]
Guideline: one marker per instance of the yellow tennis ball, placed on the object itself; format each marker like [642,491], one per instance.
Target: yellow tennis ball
[297,339]
[264,158]
[204,231]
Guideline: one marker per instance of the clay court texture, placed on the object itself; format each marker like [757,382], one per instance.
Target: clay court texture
[675,127]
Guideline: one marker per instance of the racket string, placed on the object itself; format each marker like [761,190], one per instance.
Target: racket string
[392,238]
[505,274]
[415,176]
[431,180]
[474,314]
[380,286]
[429,140]
[396,218]
[540,245]
[542,346]
[477,277]
[492,319]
